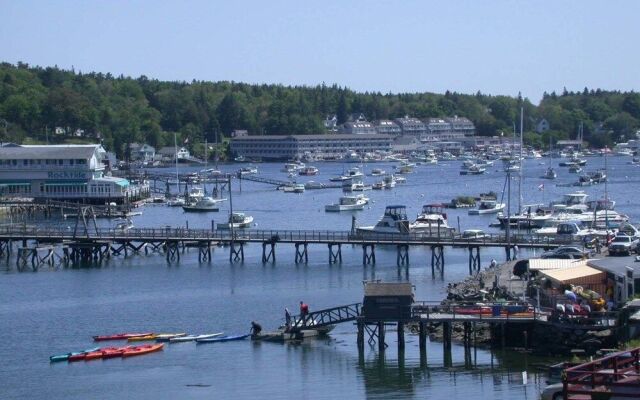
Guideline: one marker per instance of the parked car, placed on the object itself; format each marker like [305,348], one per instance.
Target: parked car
[566,252]
[623,244]
[474,234]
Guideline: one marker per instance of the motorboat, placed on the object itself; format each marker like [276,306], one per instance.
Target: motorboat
[393,222]
[360,187]
[314,185]
[432,220]
[205,204]
[573,230]
[176,202]
[599,176]
[378,186]
[239,158]
[473,170]
[195,193]
[550,174]
[248,170]
[237,220]
[531,216]
[487,206]
[389,181]
[400,179]
[584,180]
[308,171]
[294,188]
[340,178]
[124,225]
[347,203]
[378,172]
[292,167]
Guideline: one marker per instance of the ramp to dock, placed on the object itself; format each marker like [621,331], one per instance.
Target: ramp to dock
[326,317]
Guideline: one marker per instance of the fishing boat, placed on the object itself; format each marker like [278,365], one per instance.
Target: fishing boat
[205,204]
[141,350]
[191,338]
[487,206]
[473,170]
[176,202]
[340,178]
[65,357]
[378,172]
[346,203]
[378,186]
[393,222]
[237,220]
[248,170]
[120,336]
[294,188]
[228,338]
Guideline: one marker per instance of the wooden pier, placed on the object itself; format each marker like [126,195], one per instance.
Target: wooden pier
[88,242]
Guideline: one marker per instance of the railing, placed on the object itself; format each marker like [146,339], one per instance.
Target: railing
[329,316]
[510,311]
[290,236]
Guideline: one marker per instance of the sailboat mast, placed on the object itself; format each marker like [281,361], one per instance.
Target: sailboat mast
[520,169]
[175,144]
[606,192]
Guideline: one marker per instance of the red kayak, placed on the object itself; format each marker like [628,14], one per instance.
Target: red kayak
[77,357]
[113,352]
[93,355]
[120,336]
[140,350]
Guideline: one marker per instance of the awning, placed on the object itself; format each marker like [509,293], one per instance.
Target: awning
[567,274]
[122,182]
[543,264]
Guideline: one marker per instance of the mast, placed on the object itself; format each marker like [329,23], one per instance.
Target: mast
[606,192]
[520,168]
[175,144]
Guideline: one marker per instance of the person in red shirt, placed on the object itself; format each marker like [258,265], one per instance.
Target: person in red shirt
[304,311]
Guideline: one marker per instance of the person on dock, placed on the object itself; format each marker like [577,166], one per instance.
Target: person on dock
[493,264]
[515,252]
[287,319]
[256,328]
[304,311]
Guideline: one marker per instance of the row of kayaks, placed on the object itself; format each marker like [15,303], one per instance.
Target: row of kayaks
[107,352]
[171,337]
[129,351]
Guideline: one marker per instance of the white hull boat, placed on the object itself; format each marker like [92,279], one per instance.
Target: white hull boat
[237,221]
[347,203]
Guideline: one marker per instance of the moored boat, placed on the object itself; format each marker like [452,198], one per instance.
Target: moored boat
[165,337]
[237,220]
[120,336]
[191,338]
[65,357]
[487,206]
[226,338]
[346,203]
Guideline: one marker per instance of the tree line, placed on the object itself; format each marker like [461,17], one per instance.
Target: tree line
[122,110]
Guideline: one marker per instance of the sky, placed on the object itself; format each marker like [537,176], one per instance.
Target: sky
[496,47]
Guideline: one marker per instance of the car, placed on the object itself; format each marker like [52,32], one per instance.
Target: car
[623,244]
[473,234]
[566,252]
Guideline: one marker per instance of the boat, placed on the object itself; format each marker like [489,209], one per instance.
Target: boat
[359,187]
[191,338]
[432,220]
[141,350]
[294,188]
[120,336]
[65,357]
[237,220]
[113,352]
[394,221]
[248,170]
[340,178]
[351,157]
[239,158]
[142,338]
[195,193]
[378,172]
[400,179]
[176,202]
[487,206]
[308,171]
[378,186]
[389,181]
[228,338]
[164,337]
[292,167]
[124,225]
[550,174]
[206,204]
[599,176]
[584,180]
[473,170]
[346,203]
[314,185]
[575,169]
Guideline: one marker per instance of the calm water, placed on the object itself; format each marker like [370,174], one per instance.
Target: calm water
[55,311]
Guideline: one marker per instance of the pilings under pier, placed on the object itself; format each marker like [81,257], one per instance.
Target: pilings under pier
[335,256]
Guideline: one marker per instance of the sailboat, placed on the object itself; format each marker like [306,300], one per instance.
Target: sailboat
[177,201]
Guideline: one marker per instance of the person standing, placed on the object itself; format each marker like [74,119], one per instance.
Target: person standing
[287,319]
[304,311]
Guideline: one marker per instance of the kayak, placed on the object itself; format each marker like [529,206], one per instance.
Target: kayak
[77,357]
[165,337]
[113,352]
[191,338]
[142,338]
[120,336]
[144,349]
[223,338]
[65,357]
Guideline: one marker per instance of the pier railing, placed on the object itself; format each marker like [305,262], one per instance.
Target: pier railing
[511,311]
[287,236]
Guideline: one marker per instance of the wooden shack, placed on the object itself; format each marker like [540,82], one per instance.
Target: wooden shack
[387,301]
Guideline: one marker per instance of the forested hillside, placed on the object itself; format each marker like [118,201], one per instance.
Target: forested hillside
[120,110]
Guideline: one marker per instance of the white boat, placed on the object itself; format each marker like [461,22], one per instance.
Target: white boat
[389,181]
[393,222]
[432,220]
[124,225]
[347,203]
[294,188]
[205,204]
[574,230]
[400,179]
[191,338]
[292,167]
[176,202]
[378,172]
[195,193]
[487,206]
[378,186]
[340,178]
[575,169]
[473,170]
[248,170]
[237,220]
[359,187]
[351,157]
[571,199]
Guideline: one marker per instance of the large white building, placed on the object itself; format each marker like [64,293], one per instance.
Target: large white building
[62,172]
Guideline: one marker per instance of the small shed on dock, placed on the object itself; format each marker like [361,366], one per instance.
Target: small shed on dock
[387,301]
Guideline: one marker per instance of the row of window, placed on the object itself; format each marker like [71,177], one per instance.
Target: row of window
[16,189]
[78,161]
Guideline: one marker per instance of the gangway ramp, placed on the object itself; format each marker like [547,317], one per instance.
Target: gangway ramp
[326,317]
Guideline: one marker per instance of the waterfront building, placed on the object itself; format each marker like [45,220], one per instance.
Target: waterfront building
[168,154]
[331,123]
[461,125]
[142,152]
[411,126]
[289,147]
[542,126]
[357,128]
[62,172]
[388,127]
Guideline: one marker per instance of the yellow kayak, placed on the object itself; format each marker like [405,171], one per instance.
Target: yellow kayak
[142,338]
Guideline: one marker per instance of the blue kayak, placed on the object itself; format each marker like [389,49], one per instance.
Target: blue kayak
[228,338]
[65,357]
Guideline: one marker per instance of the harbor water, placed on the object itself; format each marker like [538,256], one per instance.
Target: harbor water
[55,311]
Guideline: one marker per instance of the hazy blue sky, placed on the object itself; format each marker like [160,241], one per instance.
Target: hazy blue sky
[497,47]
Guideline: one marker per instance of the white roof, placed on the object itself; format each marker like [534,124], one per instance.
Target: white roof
[543,264]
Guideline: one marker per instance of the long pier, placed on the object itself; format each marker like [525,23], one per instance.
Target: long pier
[90,244]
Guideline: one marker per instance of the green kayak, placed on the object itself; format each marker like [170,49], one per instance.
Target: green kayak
[65,357]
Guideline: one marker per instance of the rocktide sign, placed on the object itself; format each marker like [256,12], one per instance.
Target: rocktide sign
[66,175]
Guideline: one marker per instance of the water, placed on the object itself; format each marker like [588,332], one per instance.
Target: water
[55,311]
